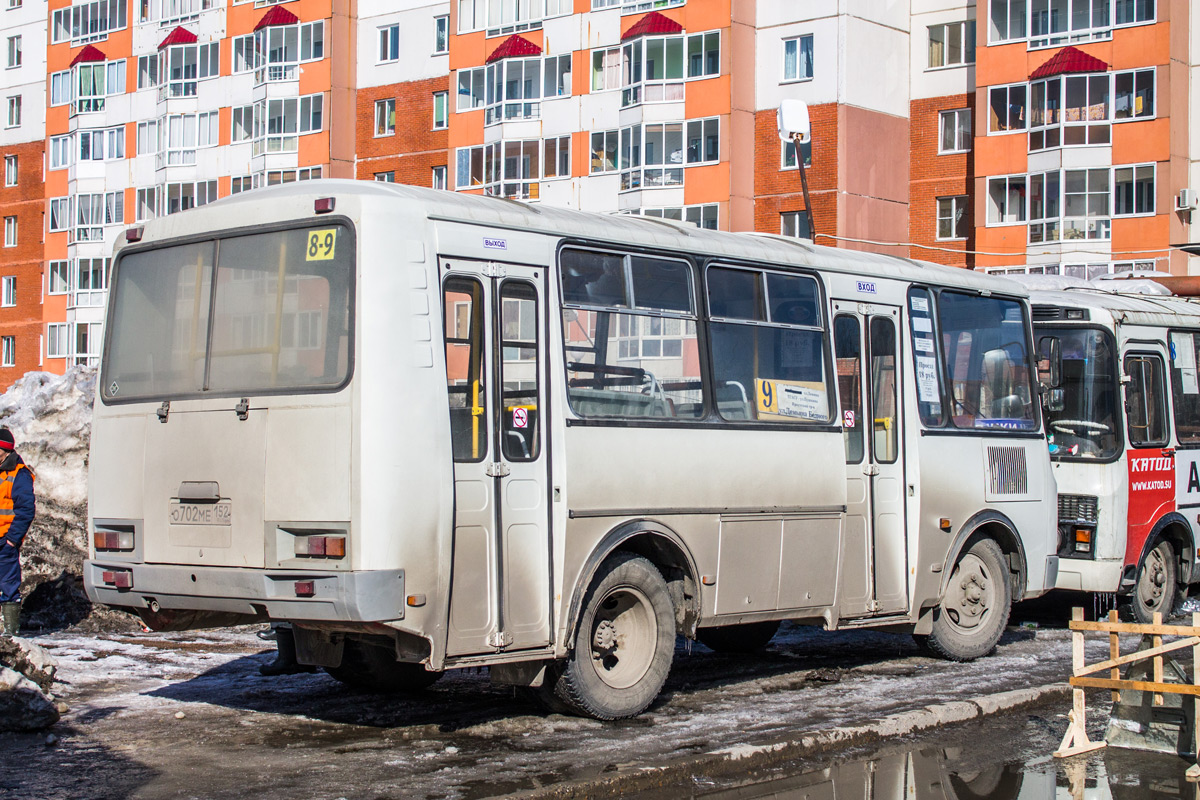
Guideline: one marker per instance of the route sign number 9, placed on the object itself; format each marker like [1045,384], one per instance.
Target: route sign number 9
[320,245]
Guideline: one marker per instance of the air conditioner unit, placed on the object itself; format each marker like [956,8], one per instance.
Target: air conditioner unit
[1186,200]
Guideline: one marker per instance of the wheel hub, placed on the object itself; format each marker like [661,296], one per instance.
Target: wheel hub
[970,595]
[606,636]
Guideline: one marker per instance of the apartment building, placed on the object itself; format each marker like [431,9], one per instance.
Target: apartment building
[165,105]
[22,142]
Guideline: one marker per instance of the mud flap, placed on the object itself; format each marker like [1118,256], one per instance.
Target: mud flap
[318,648]
[1136,723]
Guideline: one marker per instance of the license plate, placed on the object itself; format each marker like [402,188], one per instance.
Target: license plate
[219,513]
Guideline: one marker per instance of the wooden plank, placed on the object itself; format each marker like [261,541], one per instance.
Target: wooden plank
[1155,643]
[1129,658]
[1135,627]
[1138,686]
[1077,660]
[1195,682]
[1114,651]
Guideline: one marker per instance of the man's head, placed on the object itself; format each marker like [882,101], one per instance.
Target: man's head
[7,443]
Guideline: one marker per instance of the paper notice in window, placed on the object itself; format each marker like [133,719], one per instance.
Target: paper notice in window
[1187,381]
[792,399]
[1183,351]
[922,324]
[927,382]
[922,345]
[919,304]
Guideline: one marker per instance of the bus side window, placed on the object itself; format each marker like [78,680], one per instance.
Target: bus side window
[847,345]
[519,371]
[1145,400]
[463,309]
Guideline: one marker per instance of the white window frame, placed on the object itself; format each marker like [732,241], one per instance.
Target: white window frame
[441,34]
[58,214]
[607,138]
[960,31]
[705,70]
[13,60]
[438,177]
[958,205]
[792,222]
[556,150]
[606,69]
[60,88]
[635,60]
[10,171]
[58,277]
[385,123]
[84,23]
[62,151]
[787,155]
[389,176]
[57,339]
[1008,89]
[474,79]
[441,110]
[8,351]
[13,119]
[1006,212]
[8,291]
[10,231]
[800,43]
[961,120]
[147,203]
[389,44]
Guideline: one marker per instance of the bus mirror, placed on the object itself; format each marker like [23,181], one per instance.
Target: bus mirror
[1055,399]
[1050,362]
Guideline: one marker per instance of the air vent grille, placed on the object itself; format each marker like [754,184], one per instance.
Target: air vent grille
[1078,508]
[1007,472]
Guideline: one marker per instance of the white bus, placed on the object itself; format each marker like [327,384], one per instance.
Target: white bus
[1124,435]
[435,430]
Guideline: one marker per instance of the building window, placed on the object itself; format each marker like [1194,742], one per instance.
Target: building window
[704,54]
[105,144]
[557,76]
[1006,200]
[1006,108]
[14,112]
[14,52]
[147,203]
[952,217]
[182,196]
[385,117]
[82,23]
[60,151]
[703,141]
[798,58]
[471,88]
[795,223]
[556,158]
[14,3]
[955,131]
[788,159]
[1134,12]
[386,177]
[1133,190]
[182,66]
[1076,110]
[389,43]
[60,214]
[8,351]
[280,49]
[10,170]
[439,177]
[8,291]
[441,34]
[606,69]
[60,88]
[57,276]
[1133,94]
[56,340]
[441,117]
[87,343]
[952,44]
[147,138]
[245,57]
[94,211]
[147,72]
[10,231]
[652,70]
[95,81]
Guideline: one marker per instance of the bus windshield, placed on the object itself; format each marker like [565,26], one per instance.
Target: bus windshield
[1086,427]
[251,314]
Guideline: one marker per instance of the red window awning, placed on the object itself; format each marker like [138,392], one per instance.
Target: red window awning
[278,15]
[88,54]
[514,46]
[1069,59]
[652,23]
[178,36]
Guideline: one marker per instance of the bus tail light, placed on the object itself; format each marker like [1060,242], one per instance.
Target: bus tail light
[323,205]
[321,546]
[117,578]
[112,540]
[306,588]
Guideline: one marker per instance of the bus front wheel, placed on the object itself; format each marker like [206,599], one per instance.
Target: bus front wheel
[624,643]
[974,612]
[1156,587]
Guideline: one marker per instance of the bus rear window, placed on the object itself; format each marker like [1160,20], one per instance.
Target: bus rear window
[255,314]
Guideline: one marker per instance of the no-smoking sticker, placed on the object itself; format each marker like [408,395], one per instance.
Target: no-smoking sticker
[848,419]
[520,418]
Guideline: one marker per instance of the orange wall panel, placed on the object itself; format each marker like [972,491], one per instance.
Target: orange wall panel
[708,98]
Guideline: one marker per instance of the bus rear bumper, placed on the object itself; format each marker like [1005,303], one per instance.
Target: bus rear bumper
[1088,576]
[318,595]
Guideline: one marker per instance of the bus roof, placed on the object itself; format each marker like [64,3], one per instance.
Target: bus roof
[1129,309]
[280,203]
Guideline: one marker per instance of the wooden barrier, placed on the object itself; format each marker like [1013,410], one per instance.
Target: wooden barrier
[1076,740]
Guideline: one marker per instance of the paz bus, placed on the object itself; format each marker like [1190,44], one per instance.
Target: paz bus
[1124,436]
[434,430]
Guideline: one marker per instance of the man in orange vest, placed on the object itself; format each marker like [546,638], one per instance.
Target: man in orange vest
[17,507]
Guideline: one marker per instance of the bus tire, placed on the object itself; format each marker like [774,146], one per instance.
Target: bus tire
[1157,586]
[623,645]
[375,669]
[748,638]
[974,612]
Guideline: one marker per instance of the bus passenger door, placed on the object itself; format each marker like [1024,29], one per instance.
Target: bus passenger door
[495,371]
[874,555]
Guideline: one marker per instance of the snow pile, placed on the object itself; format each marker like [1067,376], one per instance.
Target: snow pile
[26,673]
[51,419]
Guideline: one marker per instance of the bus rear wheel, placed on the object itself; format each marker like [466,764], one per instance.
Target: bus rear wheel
[748,638]
[1157,588]
[375,669]
[972,616]
[623,646]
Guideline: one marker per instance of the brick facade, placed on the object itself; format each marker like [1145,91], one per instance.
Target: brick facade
[935,175]
[415,148]
[777,190]
[24,262]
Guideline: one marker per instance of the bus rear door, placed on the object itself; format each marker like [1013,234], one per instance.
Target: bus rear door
[495,365]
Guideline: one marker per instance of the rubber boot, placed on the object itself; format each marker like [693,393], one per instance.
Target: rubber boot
[12,618]
[285,657]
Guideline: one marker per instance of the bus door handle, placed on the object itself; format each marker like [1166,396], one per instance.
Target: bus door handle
[871,469]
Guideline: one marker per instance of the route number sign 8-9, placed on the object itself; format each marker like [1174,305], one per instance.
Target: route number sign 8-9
[320,245]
